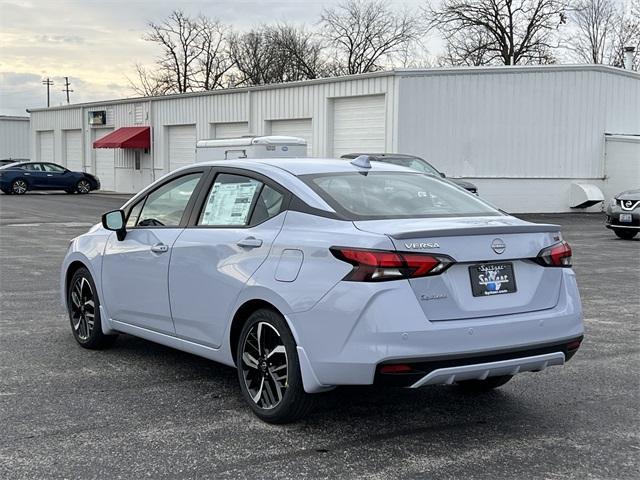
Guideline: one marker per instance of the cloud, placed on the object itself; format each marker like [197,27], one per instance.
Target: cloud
[60,39]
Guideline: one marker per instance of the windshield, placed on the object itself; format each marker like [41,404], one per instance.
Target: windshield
[10,165]
[383,195]
[412,163]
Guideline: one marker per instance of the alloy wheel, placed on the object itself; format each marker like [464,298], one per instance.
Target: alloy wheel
[83,186]
[265,365]
[19,187]
[82,308]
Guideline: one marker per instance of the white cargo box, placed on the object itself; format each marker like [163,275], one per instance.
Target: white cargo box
[250,147]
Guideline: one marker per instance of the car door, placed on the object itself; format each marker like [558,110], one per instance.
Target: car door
[55,176]
[212,260]
[134,270]
[35,174]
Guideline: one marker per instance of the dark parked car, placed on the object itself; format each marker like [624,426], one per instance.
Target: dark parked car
[415,163]
[623,214]
[19,178]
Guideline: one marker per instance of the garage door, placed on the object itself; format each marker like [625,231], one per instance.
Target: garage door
[358,125]
[73,150]
[182,145]
[105,162]
[45,142]
[230,130]
[294,128]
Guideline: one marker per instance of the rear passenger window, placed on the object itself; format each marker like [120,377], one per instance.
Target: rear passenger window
[236,200]
[268,205]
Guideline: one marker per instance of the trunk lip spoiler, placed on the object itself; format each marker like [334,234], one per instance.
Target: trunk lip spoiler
[477,230]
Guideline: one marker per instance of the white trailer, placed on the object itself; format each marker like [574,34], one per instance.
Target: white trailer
[250,147]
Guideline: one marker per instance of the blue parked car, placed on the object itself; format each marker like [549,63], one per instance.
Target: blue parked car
[18,178]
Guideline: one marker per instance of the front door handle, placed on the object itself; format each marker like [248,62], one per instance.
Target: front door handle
[160,248]
[250,242]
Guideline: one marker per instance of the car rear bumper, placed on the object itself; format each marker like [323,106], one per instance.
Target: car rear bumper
[451,369]
[346,342]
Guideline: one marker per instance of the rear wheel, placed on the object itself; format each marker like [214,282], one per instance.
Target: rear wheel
[84,312]
[19,187]
[83,186]
[269,370]
[625,234]
[484,385]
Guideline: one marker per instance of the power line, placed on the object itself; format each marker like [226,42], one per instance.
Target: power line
[66,88]
[48,83]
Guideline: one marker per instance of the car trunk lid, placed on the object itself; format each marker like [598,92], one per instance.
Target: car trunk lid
[500,245]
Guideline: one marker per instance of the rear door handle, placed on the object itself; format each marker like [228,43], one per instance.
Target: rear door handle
[160,248]
[250,242]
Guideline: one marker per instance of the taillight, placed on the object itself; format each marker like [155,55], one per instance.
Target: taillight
[558,255]
[380,265]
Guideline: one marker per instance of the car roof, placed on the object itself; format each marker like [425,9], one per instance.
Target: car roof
[304,166]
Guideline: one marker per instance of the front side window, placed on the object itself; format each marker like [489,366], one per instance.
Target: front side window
[383,195]
[165,206]
[236,200]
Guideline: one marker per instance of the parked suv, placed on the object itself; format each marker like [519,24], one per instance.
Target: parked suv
[415,163]
[623,214]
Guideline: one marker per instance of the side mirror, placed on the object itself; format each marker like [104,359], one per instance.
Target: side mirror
[443,175]
[115,221]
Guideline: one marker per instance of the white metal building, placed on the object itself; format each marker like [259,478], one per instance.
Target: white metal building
[14,137]
[522,134]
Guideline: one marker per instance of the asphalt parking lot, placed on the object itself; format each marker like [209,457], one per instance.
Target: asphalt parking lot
[143,410]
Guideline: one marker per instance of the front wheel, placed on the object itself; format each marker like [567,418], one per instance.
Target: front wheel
[269,370]
[84,312]
[625,234]
[83,187]
[19,187]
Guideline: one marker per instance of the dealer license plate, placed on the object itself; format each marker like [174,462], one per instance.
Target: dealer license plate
[492,279]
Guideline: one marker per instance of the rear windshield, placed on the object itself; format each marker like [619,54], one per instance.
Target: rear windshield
[381,195]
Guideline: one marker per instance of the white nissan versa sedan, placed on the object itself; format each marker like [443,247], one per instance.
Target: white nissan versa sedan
[305,274]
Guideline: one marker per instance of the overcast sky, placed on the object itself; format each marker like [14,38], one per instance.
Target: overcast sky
[96,42]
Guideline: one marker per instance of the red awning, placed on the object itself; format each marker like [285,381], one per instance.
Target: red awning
[126,137]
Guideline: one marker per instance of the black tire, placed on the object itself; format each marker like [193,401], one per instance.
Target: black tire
[293,402]
[83,186]
[70,191]
[478,386]
[80,292]
[625,234]
[19,186]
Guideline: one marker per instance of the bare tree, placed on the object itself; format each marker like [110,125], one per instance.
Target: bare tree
[365,34]
[194,55]
[627,34]
[149,83]
[507,32]
[179,37]
[275,54]
[595,21]
[214,61]
[300,49]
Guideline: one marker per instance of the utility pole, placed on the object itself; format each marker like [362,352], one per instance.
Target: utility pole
[66,88]
[48,83]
